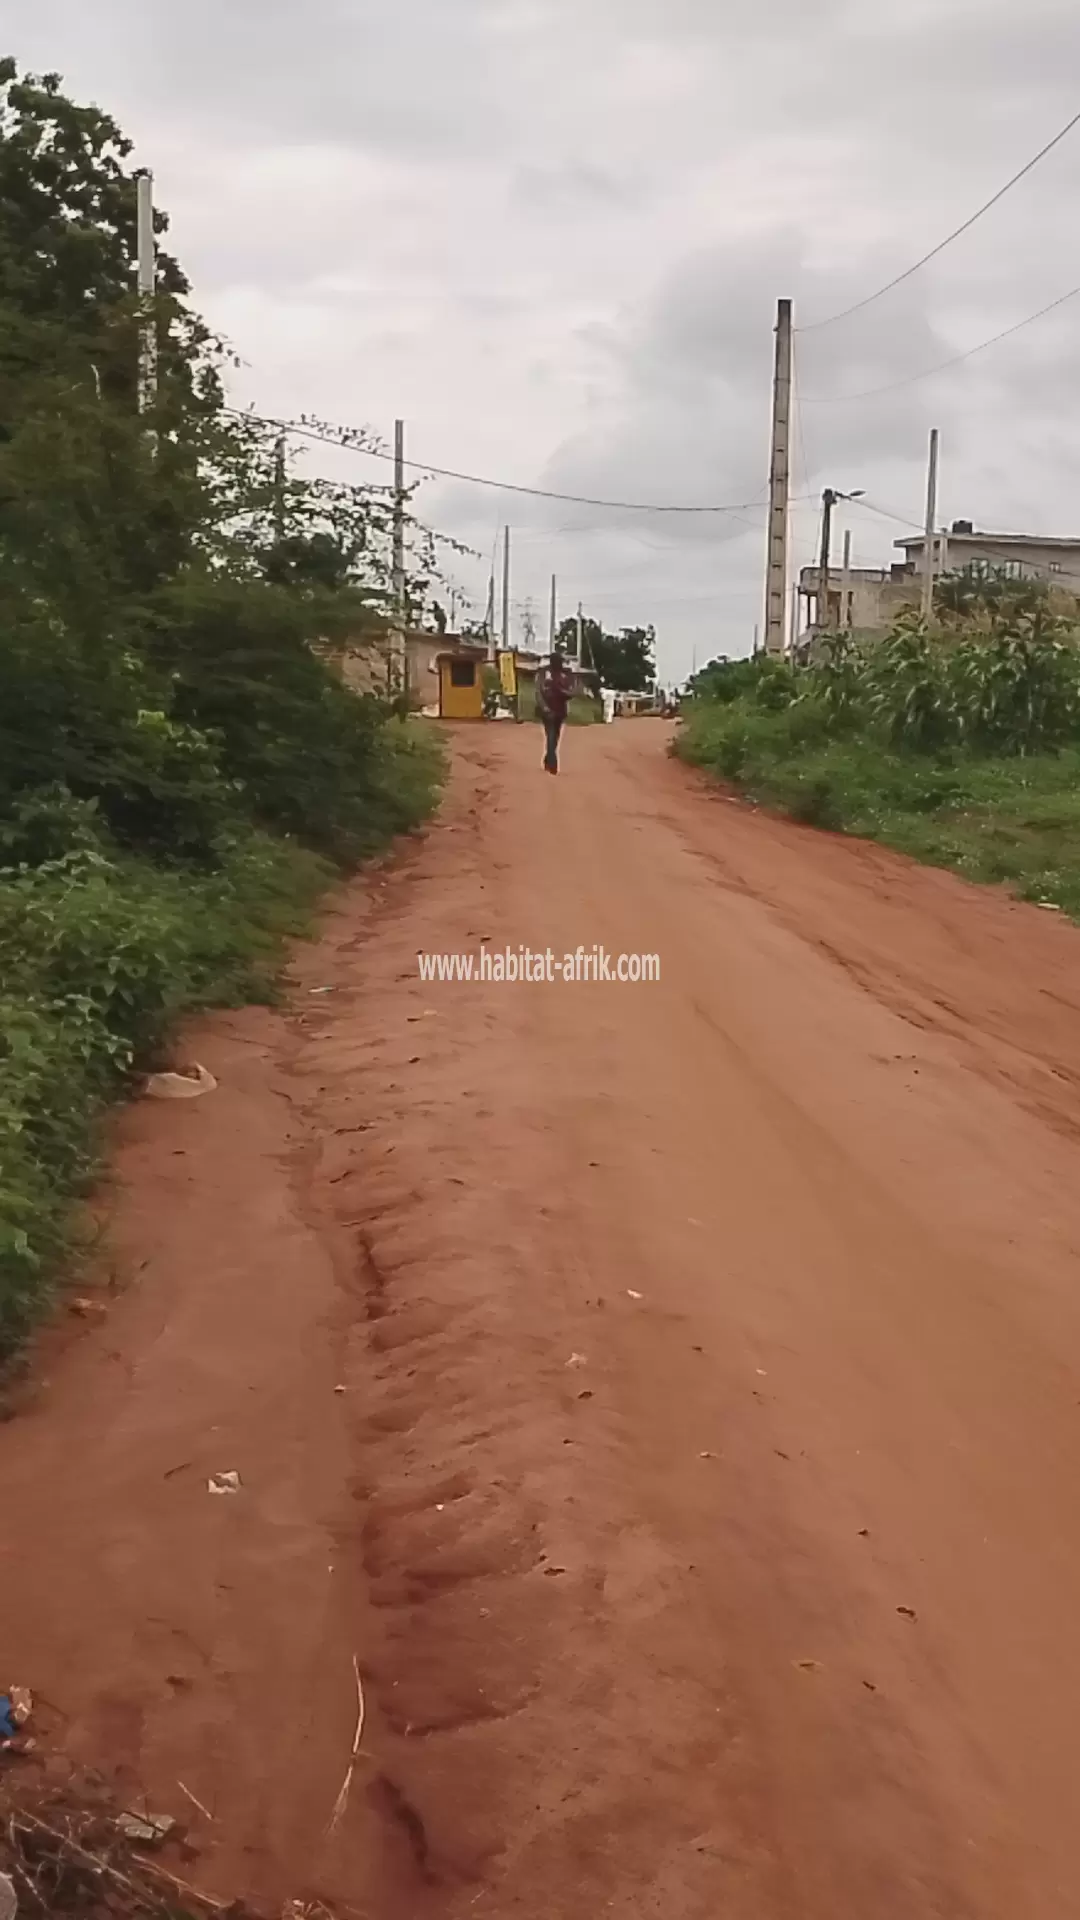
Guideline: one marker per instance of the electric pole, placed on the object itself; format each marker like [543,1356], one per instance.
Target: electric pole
[553,625]
[779,467]
[489,616]
[506,591]
[845,583]
[580,636]
[147,285]
[931,525]
[400,664]
[828,502]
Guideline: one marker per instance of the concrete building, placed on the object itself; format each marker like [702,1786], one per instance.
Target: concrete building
[868,599]
[367,665]
[1023,556]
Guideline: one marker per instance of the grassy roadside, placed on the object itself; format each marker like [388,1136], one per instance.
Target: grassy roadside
[994,819]
[102,953]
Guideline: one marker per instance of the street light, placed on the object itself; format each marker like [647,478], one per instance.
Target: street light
[828,501]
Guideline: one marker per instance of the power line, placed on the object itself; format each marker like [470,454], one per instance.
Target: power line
[503,486]
[871,393]
[949,237]
[886,513]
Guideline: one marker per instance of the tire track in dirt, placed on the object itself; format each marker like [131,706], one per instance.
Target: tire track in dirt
[667,1395]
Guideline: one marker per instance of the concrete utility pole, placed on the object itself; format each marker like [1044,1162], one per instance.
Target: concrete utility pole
[779,470]
[845,583]
[506,591]
[147,284]
[931,525]
[553,624]
[399,669]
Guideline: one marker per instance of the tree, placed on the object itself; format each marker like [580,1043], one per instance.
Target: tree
[624,661]
[166,600]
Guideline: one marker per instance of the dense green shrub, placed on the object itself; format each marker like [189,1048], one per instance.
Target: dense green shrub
[101,951]
[181,768]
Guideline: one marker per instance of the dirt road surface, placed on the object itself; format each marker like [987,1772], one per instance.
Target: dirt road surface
[669,1393]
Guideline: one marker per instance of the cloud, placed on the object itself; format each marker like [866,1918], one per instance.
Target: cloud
[550,234]
[574,189]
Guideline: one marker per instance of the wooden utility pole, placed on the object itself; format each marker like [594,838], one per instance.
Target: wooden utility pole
[399,668]
[147,285]
[931,527]
[506,591]
[776,563]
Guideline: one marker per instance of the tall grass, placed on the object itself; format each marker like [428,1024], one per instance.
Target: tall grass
[959,748]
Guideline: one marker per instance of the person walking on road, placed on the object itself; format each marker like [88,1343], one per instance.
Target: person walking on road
[553,688]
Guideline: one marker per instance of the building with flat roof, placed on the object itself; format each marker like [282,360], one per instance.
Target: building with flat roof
[1021,556]
[867,600]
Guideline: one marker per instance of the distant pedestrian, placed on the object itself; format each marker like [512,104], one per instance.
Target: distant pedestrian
[554,685]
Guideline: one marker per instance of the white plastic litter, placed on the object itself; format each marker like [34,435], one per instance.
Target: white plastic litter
[180,1086]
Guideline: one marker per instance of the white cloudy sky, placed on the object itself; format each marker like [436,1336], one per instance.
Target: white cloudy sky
[550,234]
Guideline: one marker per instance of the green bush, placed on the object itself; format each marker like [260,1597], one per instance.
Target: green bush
[99,957]
[181,769]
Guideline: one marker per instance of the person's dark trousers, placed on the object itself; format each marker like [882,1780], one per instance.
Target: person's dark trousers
[552,730]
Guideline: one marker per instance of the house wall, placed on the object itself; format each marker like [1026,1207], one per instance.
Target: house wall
[1058,562]
[364,666]
[876,596]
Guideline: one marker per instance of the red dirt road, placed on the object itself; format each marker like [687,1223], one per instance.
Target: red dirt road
[701,1501]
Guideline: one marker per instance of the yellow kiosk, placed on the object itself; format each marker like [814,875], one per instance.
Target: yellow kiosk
[461,688]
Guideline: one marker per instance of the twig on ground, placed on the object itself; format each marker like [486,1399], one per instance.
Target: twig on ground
[184,1886]
[92,1861]
[188,1795]
[342,1800]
